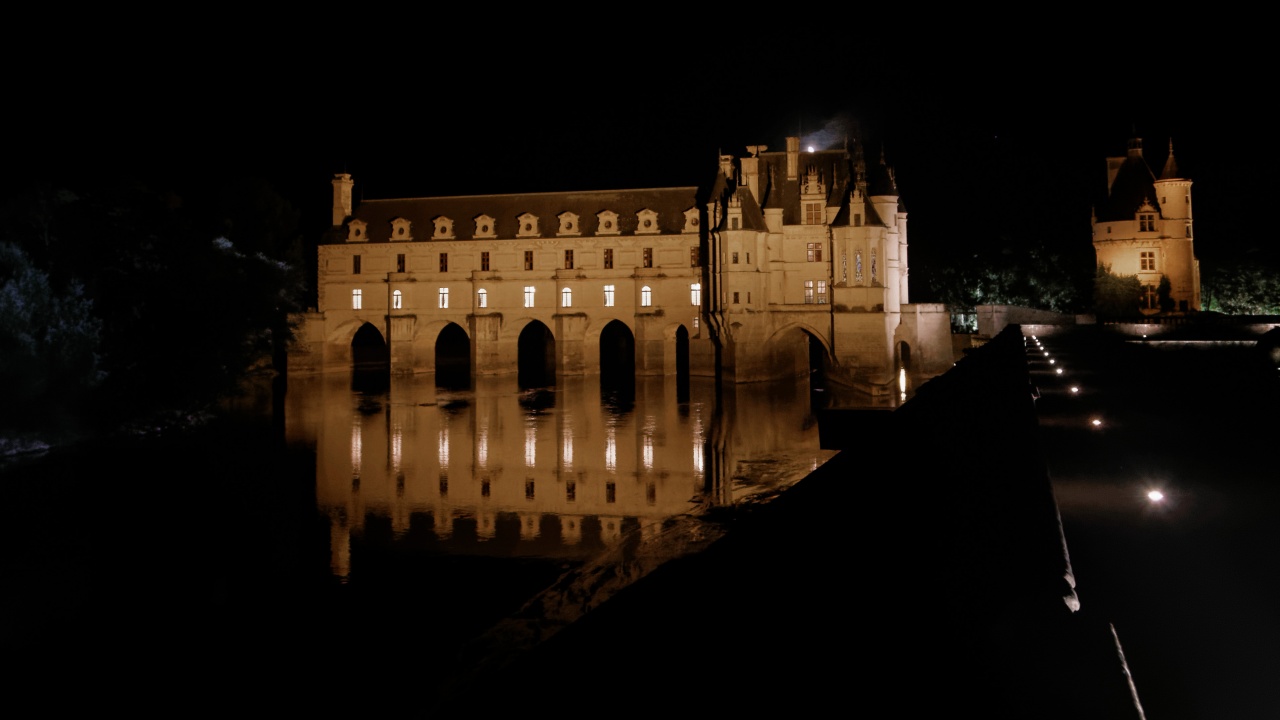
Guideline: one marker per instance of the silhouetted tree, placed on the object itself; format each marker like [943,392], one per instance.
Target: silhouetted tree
[1242,288]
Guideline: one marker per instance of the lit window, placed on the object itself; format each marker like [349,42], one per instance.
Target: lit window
[444,297]
[695,294]
[444,262]
[484,261]
[822,292]
[646,296]
[808,292]
[608,258]
[568,259]
[648,257]
[528,296]
[1148,260]
[482,298]
[355,299]
[608,296]
[396,300]
[566,298]
[355,264]
[814,252]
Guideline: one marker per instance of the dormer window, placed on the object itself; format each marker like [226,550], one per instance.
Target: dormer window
[357,231]
[486,227]
[813,214]
[690,221]
[527,225]
[569,224]
[400,230]
[646,222]
[1146,222]
[607,223]
[444,229]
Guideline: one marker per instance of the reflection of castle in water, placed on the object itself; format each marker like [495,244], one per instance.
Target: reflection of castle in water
[495,471]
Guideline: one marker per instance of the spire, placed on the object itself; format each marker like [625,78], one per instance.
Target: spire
[1170,167]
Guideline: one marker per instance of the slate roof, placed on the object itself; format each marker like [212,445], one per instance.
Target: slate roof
[669,203]
[1134,185]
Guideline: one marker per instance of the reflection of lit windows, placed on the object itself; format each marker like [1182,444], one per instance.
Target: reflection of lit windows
[484,488]
[610,492]
[808,292]
[528,489]
[355,448]
[482,446]
[530,447]
[651,493]
[396,442]
[695,294]
[528,296]
[697,458]
[356,298]
[822,292]
[482,298]
[444,297]
[648,452]
[1148,260]
[646,296]
[443,448]
[396,300]
[608,296]
[444,484]
[570,491]
[566,298]
[611,451]
[566,451]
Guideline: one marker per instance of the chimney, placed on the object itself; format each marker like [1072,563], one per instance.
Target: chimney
[341,198]
[793,158]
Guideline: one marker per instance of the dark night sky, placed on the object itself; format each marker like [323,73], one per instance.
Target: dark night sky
[985,138]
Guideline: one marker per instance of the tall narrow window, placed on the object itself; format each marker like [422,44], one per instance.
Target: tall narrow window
[482,298]
[648,257]
[356,299]
[695,294]
[528,296]
[400,262]
[396,300]
[568,259]
[566,298]
[608,296]
[646,296]
[857,267]
[484,261]
[528,259]
[355,264]
[444,262]
[695,257]
[874,276]
[822,292]
[444,297]
[608,258]
[735,298]
[735,258]
[808,292]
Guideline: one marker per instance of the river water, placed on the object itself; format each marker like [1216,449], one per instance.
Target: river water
[358,532]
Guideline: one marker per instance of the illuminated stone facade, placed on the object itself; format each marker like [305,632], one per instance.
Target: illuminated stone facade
[1144,228]
[787,263]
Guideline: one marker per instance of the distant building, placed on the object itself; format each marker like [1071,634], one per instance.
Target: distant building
[1144,228]
[787,263]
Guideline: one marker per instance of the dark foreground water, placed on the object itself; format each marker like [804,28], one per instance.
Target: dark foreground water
[341,550]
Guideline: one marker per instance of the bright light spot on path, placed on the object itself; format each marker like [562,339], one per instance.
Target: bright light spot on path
[1052,361]
[1155,496]
[1059,371]
[1095,422]
[1075,389]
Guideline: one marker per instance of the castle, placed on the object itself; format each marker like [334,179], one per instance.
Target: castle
[1144,228]
[787,263]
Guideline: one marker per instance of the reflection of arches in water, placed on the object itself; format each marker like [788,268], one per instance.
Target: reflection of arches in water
[617,365]
[682,364]
[902,369]
[453,358]
[537,356]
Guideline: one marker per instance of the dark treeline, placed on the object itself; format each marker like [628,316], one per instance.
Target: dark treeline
[128,301]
